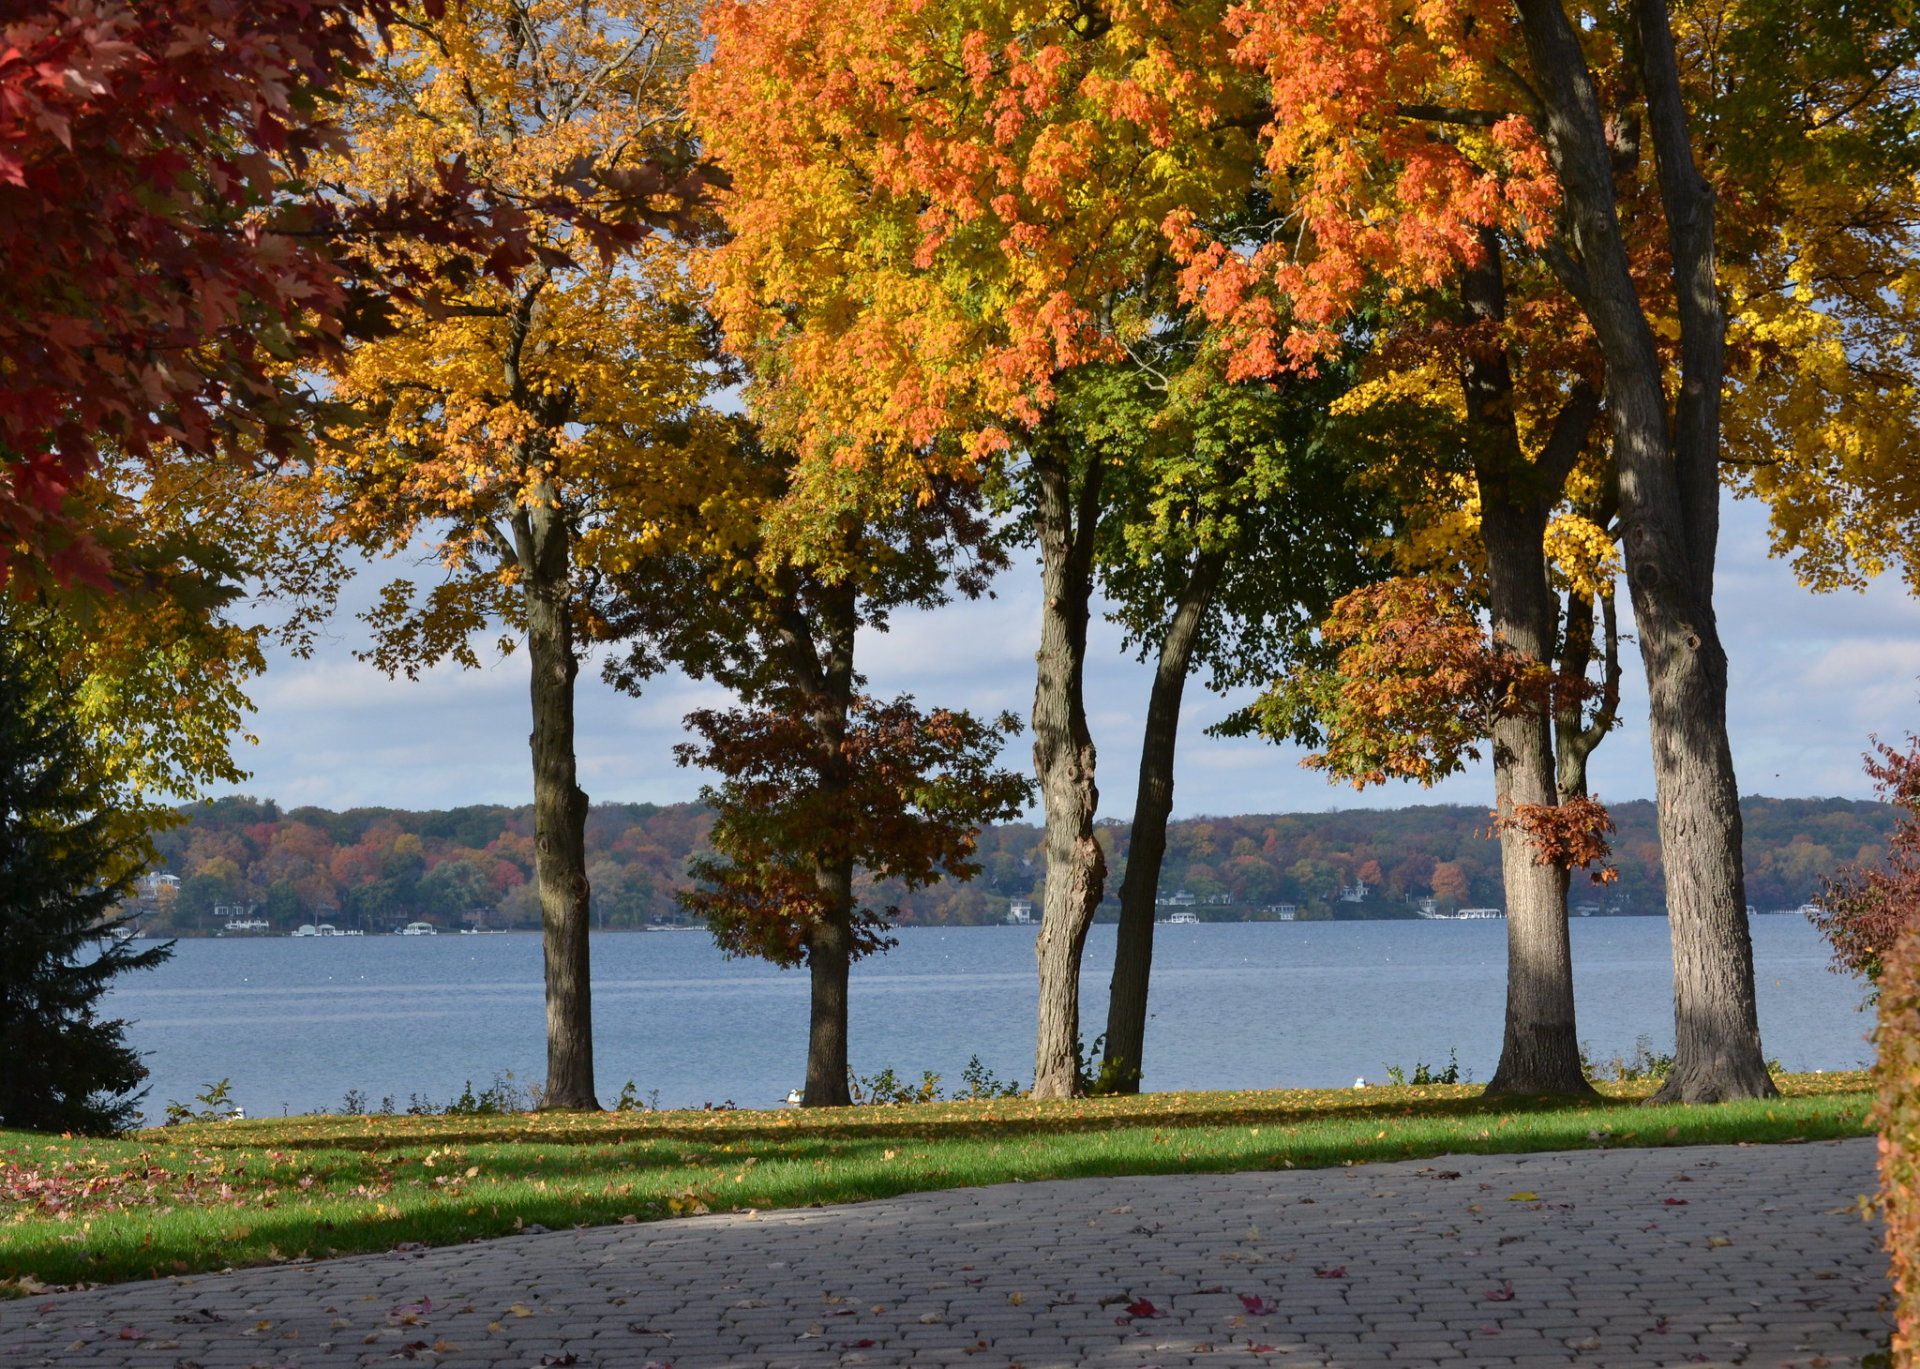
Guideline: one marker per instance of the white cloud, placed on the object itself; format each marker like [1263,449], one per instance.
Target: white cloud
[1810,677]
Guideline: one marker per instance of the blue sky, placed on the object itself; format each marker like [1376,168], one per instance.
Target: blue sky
[1812,676]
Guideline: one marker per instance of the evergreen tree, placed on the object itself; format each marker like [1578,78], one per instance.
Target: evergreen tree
[64,866]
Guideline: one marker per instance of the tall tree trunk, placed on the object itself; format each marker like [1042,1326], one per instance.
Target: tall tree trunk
[1147,845]
[1669,497]
[544,547]
[1063,761]
[820,657]
[829,962]
[1540,1048]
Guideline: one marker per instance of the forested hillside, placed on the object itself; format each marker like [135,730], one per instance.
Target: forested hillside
[375,868]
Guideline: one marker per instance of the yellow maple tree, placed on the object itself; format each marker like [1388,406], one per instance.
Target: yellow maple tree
[541,420]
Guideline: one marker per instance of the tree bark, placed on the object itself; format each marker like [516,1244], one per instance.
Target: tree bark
[1540,1048]
[1063,761]
[1125,1054]
[829,963]
[827,670]
[1669,505]
[544,546]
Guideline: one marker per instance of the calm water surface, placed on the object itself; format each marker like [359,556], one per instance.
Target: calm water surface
[296,1023]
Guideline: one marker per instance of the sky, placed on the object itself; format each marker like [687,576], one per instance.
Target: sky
[1811,677]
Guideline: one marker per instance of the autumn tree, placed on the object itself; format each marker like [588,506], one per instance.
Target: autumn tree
[822,787]
[938,220]
[1578,143]
[809,805]
[536,421]
[154,287]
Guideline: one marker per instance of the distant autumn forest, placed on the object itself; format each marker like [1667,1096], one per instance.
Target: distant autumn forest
[376,868]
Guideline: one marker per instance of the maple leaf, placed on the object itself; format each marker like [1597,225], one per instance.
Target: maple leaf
[1504,1293]
[1257,1306]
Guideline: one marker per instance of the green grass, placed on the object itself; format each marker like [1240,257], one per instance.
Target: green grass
[187,1199]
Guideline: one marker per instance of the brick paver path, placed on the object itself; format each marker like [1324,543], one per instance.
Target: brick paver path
[1713,1255]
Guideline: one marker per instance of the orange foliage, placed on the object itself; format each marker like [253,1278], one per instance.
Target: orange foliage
[1569,835]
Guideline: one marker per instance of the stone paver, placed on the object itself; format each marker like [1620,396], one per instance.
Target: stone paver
[1716,1255]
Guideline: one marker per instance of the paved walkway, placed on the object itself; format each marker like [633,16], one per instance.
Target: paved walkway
[1716,1255]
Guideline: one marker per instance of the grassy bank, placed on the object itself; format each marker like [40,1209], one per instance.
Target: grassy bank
[193,1198]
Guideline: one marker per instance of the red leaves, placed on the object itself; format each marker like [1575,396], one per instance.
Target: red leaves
[1567,835]
[134,309]
[1674,1202]
[1257,1306]
[1504,1293]
[1864,910]
[1338,1271]
[899,793]
[1140,1310]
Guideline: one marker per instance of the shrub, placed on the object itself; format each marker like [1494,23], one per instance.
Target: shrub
[1424,1073]
[1864,910]
[1897,1114]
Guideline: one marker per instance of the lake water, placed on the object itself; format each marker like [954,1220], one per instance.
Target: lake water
[296,1023]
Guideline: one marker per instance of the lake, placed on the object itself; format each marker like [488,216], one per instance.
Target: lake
[295,1024]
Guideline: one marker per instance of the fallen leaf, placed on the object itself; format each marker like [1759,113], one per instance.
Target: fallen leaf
[1660,1326]
[1257,1306]
[866,1344]
[931,1318]
[1339,1271]
[1504,1293]
[1674,1202]
[1016,1298]
[1523,1196]
[1140,1307]
[1715,1242]
[1588,1343]
[520,1309]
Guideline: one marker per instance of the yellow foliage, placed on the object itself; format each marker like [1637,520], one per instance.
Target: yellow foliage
[566,382]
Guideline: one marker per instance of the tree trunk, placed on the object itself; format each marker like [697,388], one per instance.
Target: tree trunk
[1063,761]
[1669,506]
[559,806]
[1147,845]
[829,960]
[1540,1049]
[820,657]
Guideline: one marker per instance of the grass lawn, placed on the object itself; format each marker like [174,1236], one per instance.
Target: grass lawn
[186,1199]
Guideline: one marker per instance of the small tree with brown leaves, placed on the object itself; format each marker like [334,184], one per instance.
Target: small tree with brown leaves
[806,810]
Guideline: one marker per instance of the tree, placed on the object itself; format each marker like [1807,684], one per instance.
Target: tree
[1403,146]
[886,791]
[940,217]
[821,785]
[138,144]
[64,864]
[1229,525]
[537,422]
